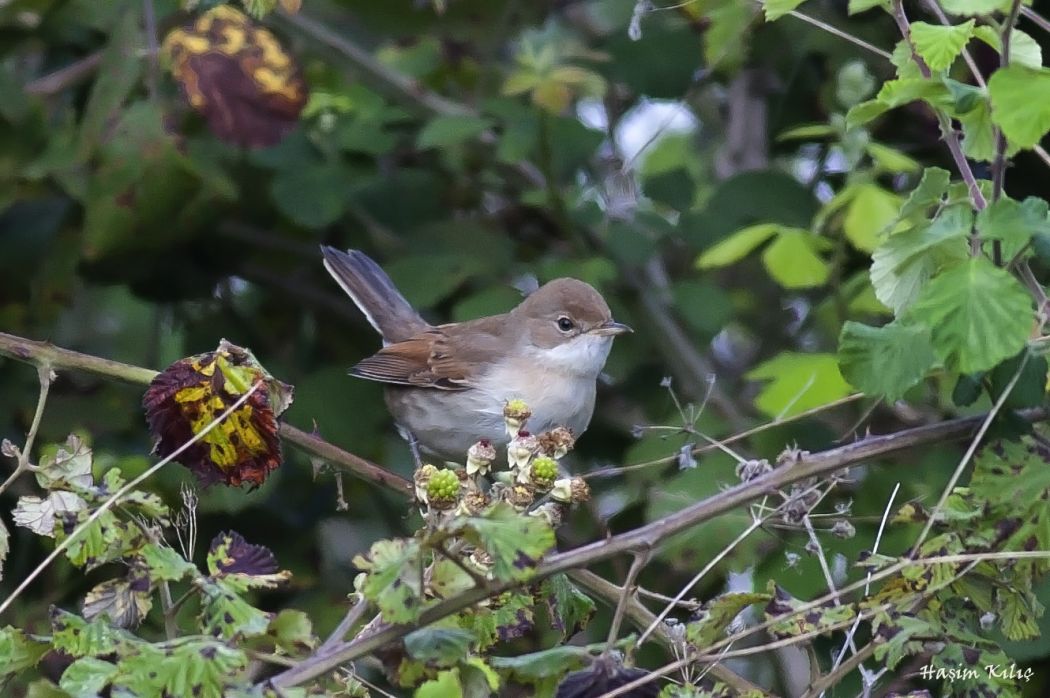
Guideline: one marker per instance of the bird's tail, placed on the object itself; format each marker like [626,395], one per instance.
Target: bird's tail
[374,293]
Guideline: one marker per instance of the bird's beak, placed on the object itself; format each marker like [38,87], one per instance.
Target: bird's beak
[611,329]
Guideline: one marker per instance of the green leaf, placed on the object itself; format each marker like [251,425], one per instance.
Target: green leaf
[292,631]
[18,651]
[445,131]
[87,677]
[439,645]
[515,542]
[105,539]
[569,608]
[807,132]
[903,264]
[979,135]
[1024,50]
[856,6]
[1030,389]
[1021,103]
[164,563]
[885,360]
[896,93]
[80,638]
[775,9]
[530,668]
[798,382]
[1013,222]
[200,667]
[225,614]
[118,75]
[891,159]
[313,196]
[929,191]
[394,579]
[446,685]
[737,246]
[865,112]
[938,44]
[979,315]
[711,621]
[871,210]
[972,8]
[792,260]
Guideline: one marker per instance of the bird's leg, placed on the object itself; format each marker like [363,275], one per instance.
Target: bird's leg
[413,446]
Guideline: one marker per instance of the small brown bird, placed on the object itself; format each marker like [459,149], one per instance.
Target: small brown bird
[446,385]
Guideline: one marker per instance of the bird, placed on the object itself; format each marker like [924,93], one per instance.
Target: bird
[446,386]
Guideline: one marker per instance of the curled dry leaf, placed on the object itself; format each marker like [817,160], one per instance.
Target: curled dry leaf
[191,393]
[237,75]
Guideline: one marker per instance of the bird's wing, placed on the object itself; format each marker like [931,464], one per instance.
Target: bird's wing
[448,357]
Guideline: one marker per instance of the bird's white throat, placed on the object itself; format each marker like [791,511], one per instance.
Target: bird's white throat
[583,355]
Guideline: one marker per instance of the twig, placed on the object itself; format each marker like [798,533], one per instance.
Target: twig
[405,89]
[25,453]
[75,72]
[935,512]
[353,615]
[840,670]
[951,138]
[628,592]
[1042,22]
[115,498]
[999,163]
[642,617]
[34,352]
[856,40]
[149,15]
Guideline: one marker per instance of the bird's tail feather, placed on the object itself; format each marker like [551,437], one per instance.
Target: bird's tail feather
[374,293]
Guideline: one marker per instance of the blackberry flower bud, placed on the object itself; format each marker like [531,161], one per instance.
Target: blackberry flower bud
[480,457]
[521,449]
[556,442]
[443,489]
[515,414]
[543,471]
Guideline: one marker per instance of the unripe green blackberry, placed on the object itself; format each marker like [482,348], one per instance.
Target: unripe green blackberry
[544,472]
[443,488]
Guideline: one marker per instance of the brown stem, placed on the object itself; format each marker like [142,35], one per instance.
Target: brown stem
[45,353]
[999,164]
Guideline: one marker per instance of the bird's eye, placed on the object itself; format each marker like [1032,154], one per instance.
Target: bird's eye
[565,324]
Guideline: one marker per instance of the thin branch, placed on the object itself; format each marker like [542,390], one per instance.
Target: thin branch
[628,593]
[856,40]
[352,617]
[1040,21]
[935,512]
[72,74]
[37,353]
[951,138]
[25,453]
[405,89]
[999,163]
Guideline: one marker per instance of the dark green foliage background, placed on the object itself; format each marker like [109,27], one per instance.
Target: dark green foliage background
[221,243]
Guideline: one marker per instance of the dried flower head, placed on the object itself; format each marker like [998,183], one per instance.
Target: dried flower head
[519,496]
[521,449]
[561,491]
[579,490]
[556,442]
[750,469]
[480,457]
[421,478]
[515,414]
[843,529]
[551,511]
